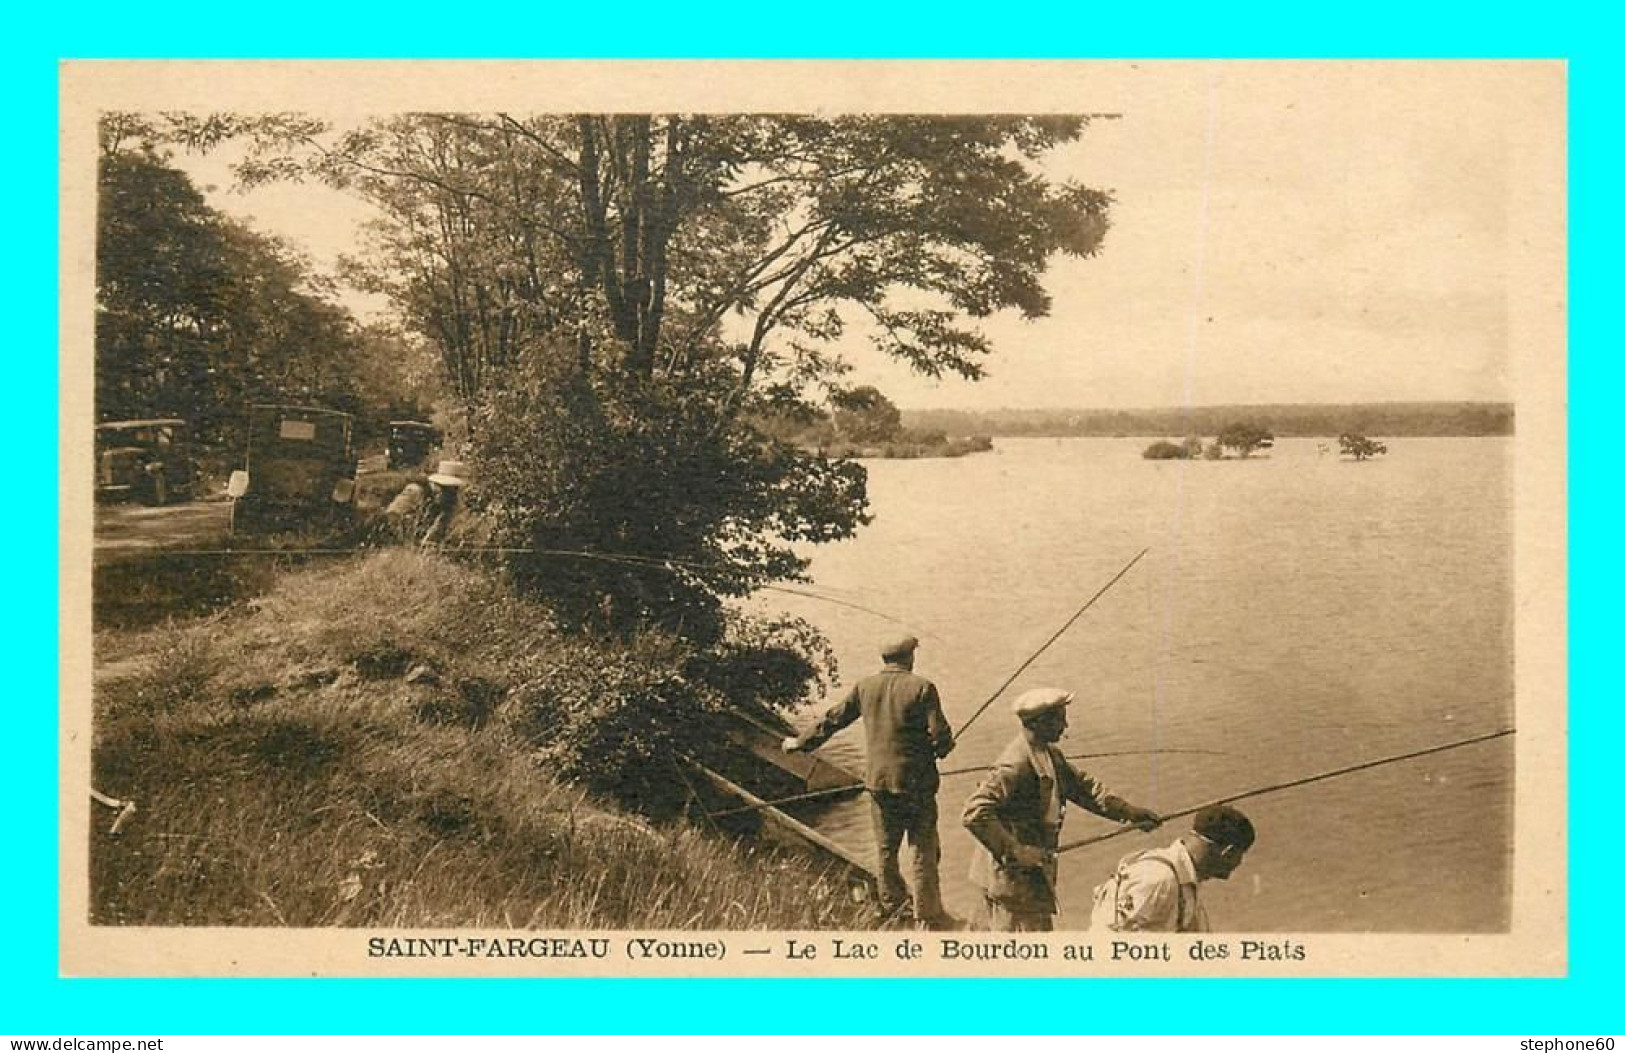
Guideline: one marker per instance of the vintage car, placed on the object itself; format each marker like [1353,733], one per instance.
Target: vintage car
[410,442]
[299,468]
[149,460]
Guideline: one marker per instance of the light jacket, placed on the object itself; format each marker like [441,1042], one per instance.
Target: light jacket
[1152,891]
[1008,809]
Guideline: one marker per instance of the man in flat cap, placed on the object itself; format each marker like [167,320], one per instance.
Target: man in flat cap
[1156,891]
[905,734]
[1016,814]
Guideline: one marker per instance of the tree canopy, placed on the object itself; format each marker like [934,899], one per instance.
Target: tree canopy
[1359,447]
[630,292]
[865,415]
[1244,437]
[197,314]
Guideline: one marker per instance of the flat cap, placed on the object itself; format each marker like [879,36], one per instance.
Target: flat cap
[1031,703]
[899,647]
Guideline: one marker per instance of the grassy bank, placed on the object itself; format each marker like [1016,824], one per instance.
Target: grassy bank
[358,745]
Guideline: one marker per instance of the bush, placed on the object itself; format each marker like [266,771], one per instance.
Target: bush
[1165,451]
[617,718]
[1245,436]
[642,505]
[1359,447]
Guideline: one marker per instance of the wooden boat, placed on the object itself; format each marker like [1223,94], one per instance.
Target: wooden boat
[761,735]
[782,828]
[735,794]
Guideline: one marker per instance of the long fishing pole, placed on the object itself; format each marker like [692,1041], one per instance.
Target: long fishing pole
[858,787]
[641,562]
[1034,656]
[1291,783]
[1091,756]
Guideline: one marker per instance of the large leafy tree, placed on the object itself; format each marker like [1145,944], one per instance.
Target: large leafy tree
[1244,437]
[865,415]
[197,314]
[618,297]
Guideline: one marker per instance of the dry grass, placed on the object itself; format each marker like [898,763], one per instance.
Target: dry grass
[289,774]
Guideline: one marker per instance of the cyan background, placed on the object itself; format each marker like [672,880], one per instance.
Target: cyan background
[32,998]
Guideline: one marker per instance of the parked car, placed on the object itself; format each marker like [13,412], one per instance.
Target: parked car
[410,442]
[299,467]
[150,460]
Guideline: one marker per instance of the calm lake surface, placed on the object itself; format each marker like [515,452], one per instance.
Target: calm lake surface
[1296,613]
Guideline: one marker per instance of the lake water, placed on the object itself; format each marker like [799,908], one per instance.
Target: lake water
[1296,613]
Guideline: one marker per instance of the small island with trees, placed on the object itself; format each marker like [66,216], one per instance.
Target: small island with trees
[863,422]
[1242,438]
[1239,439]
[1359,447]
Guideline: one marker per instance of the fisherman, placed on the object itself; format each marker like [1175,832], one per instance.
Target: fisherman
[905,734]
[1016,814]
[1155,891]
[445,486]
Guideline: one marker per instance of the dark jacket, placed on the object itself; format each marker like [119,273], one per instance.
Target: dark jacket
[905,730]
[1007,809]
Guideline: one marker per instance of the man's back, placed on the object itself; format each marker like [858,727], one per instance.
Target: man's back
[904,729]
[1151,891]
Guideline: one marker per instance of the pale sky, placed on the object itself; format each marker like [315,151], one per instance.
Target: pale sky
[1303,233]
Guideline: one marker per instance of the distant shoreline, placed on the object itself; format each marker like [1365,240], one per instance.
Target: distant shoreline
[1285,420]
[907,449]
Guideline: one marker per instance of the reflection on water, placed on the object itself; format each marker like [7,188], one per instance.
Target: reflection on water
[1296,613]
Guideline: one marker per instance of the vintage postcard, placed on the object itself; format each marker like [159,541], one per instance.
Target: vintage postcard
[813,519]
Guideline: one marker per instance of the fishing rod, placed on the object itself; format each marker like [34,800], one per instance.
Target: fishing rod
[1290,784]
[1092,756]
[1034,656]
[641,562]
[856,788]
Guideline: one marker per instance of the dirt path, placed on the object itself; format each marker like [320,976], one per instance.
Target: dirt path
[133,531]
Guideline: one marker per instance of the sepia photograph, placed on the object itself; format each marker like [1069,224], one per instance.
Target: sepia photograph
[813,518]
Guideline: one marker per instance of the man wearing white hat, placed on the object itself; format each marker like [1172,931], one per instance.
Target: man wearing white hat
[1016,814]
[905,733]
[446,485]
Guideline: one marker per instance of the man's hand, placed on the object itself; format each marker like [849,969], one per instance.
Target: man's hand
[791,744]
[945,748]
[1144,818]
[1028,857]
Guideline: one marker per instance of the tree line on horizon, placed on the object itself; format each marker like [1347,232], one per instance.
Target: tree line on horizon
[1402,419]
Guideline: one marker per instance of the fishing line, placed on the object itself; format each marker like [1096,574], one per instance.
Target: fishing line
[642,562]
[859,787]
[1290,784]
[1093,756]
[1034,656]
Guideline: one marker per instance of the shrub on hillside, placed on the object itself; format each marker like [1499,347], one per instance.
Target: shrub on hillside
[618,717]
[636,503]
[1165,451]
